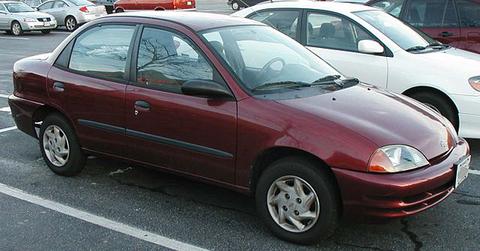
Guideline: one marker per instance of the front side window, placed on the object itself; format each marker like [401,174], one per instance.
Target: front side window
[431,13]
[2,8]
[102,56]
[469,13]
[265,60]
[392,7]
[166,60]
[329,31]
[285,21]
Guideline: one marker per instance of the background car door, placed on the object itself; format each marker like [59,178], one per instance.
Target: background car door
[169,129]
[437,18]
[335,39]
[3,17]
[469,13]
[90,86]
[59,11]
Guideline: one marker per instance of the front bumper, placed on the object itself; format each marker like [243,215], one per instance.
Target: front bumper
[400,194]
[469,115]
[38,26]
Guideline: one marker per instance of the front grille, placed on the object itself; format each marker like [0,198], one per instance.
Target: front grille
[44,19]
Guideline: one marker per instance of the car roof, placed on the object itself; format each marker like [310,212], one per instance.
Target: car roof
[319,5]
[196,21]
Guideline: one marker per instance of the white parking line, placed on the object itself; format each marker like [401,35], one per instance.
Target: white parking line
[8,129]
[477,172]
[5,109]
[4,96]
[15,38]
[97,220]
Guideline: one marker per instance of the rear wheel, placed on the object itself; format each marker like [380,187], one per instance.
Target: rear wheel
[298,201]
[439,104]
[59,146]
[16,29]
[70,23]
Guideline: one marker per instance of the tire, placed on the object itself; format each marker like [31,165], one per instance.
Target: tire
[16,29]
[439,104]
[119,10]
[316,182]
[46,31]
[235,5]
[70,159]
[71,23]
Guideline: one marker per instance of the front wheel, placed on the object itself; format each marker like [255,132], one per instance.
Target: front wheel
[235,5]
[59,146]
[16,29]
[438,104]
[298,200]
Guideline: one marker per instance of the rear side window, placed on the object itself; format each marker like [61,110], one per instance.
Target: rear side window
[392,7]
[59,4]
[469,13]
[102,56]
[285,21]
[431,13]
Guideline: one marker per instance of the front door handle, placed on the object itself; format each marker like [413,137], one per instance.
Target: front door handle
[142,105]
[446,34]
[58,87]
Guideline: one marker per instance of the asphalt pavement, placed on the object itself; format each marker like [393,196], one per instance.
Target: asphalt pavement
[114,206]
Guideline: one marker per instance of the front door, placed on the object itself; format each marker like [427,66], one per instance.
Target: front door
[166,128]
[335,39]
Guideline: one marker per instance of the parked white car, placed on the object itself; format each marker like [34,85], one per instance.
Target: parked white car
[379,49]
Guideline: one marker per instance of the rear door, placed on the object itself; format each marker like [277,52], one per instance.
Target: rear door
[469,13]
[88,83]
[169,129]
[437,18]
[335,39]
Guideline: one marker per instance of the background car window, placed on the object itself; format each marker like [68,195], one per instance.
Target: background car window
[393,7]
[469,13]
[102,56]
[59,4]
[284,21]
[431,13]
[166,60]
[334,32]
[46,6]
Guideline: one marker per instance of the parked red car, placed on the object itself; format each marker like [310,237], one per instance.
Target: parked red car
[127,5]
[235,103]
[453,22]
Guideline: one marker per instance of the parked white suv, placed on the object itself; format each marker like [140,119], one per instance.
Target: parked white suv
[379,49]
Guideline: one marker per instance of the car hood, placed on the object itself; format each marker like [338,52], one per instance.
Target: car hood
[34,14]
[382,117]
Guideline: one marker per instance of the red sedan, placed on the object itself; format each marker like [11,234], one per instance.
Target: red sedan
[235,103]
[127,5]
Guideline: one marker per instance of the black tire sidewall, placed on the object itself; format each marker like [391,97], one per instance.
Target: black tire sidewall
[76,159]
[321,182]
[440,103]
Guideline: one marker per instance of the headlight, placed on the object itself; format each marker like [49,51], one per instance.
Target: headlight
[475,83]
[29,20]
[396,158]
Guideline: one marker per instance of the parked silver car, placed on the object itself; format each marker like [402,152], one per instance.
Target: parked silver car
[72,13]
[17,17]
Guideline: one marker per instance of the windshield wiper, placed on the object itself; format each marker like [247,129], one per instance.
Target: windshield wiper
[285,84]
[434,45]
[416,48]
[326,80]
[335,79]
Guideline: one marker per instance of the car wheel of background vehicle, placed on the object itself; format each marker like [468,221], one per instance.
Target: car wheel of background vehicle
[439,104]
[235,5]
[70,23]
[59,146]
[298,200]
[119,10]
[46,31]
[16,29]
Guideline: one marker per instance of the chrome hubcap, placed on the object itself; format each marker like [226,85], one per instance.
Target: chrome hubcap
[16,28]
[56,146]
[70,24]
[235,6]
[293,204]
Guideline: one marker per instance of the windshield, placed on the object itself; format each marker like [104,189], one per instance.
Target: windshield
[267,60]
[80,2]
[18,7]
[400,33]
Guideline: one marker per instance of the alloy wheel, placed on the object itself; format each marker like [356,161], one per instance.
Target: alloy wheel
[71,24]
[293,204]
[56,145]
[16,29]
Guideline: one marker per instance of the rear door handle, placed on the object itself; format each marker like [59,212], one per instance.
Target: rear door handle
[446,34]
[142,105]
[58,87]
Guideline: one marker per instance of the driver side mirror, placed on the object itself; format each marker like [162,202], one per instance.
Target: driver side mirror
[370,47]
[205,88]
